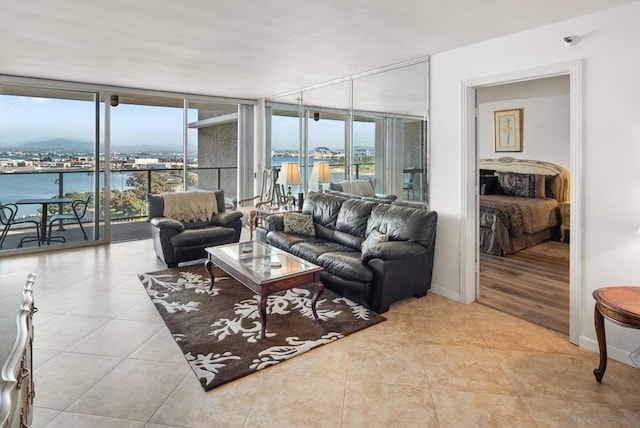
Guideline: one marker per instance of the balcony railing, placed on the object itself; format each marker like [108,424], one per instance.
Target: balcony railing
[128,186]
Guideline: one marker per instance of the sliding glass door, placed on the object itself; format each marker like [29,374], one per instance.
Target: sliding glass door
[49,166]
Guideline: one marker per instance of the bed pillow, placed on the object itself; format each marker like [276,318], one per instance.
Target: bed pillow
[524,185]
[301,224]
[552,186]
[487,172]
[489,185]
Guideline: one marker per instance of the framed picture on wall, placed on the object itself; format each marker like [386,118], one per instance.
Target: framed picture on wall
[507,130]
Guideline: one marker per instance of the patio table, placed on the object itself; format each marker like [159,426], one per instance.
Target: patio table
[45,205]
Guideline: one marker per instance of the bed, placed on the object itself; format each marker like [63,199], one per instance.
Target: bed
[519,203]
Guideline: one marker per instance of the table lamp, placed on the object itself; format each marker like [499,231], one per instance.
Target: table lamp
[289,176]
[320,174]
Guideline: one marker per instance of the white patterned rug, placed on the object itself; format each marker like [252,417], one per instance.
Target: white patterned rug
[218,330]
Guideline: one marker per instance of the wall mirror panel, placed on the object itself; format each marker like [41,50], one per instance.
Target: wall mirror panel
[367,127]
[395,101]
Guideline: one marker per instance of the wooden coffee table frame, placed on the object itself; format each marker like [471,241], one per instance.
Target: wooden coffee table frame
[265,288]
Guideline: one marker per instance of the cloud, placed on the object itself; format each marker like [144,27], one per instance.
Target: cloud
[34,100]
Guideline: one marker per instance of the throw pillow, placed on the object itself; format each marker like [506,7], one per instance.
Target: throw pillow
[301,224]
[369,244]
[524,185]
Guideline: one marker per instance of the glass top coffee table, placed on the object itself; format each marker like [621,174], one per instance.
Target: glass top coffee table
[265,270]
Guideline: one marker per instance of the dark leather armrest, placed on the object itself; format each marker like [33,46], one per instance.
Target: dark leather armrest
[391,250]
[273,222]
[225,218]
[167,223]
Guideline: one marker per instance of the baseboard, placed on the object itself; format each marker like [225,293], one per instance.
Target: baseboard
[444,292]
[612,352]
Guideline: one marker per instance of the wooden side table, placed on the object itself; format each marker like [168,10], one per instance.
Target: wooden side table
[622,306]
[565,213]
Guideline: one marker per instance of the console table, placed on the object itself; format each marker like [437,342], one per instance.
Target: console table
[622,306]
[16,337]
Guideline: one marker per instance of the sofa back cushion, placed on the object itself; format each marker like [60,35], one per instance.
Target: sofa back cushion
[324,208]
[155,207]
[404,223]
[353,216]
[356,187]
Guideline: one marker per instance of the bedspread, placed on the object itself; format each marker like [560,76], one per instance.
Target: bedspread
[518,215]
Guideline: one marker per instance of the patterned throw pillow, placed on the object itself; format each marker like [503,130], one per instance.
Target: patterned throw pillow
[525,185]
[370,243]
[301,224]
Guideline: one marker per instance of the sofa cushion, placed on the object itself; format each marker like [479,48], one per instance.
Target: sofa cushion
[356,187]
[193,237]
[155,205]
[404,223]
[353,216]
[346,265]
[351,241]
[310,251]
[324,208]
[285,241]
[302,224]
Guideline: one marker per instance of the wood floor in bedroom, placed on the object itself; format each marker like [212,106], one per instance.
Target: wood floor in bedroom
[532,284]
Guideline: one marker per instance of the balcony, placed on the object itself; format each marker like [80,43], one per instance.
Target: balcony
[127,209]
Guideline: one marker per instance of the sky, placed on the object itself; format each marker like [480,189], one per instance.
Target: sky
[29,119]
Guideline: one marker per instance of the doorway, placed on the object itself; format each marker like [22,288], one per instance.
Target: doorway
[469,233]
[527,274]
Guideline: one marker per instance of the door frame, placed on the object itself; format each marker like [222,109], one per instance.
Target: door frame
[469,247]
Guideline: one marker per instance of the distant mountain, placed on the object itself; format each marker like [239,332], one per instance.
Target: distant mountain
[58,144]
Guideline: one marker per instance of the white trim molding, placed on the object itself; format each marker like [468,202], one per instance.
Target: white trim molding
[469,252]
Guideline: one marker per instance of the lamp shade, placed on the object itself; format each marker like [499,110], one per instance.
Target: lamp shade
[321,173]
[289,174]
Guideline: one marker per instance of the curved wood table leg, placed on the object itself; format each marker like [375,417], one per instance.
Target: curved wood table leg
[316,295]
[208,265]
[262,308]
[602,343]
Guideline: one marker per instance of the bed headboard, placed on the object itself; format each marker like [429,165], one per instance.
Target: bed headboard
[524,166]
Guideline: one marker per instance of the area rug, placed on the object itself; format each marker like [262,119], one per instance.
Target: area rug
[218,330]
[553,249]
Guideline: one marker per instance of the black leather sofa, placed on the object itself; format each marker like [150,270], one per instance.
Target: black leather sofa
[387,271]
[177,241]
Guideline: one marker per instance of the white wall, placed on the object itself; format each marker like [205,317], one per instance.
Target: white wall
[611,148]
[545,104]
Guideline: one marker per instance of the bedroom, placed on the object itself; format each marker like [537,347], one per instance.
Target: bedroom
[524,263]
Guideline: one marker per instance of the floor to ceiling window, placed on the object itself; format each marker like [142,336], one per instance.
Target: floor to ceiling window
[48,160]
[56,142]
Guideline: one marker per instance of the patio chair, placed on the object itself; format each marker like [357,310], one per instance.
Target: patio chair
[10,220]
[79,208]
[408,184]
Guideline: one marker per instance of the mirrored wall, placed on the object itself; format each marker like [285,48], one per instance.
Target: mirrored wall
[370,127]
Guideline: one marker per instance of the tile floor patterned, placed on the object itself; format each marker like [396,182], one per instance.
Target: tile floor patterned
[104,358]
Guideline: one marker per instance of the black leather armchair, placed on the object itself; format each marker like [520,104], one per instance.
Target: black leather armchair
[177,241]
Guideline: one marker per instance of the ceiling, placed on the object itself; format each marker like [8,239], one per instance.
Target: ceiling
[245,49]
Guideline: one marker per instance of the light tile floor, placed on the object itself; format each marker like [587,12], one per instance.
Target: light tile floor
[104,358]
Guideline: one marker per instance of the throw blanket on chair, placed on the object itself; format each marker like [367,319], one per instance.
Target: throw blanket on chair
[190,206]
